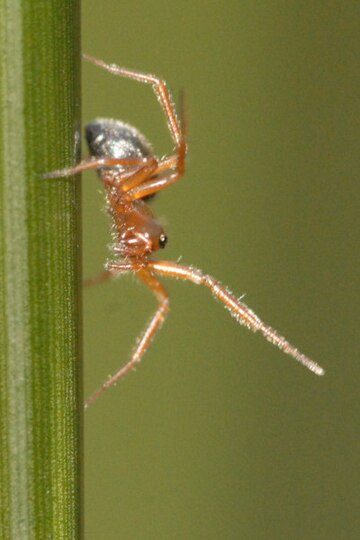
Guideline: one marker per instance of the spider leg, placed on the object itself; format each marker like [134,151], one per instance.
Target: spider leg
[145,339]
[141,184]
[139,176]
[100,278]
[153,185]
[243,314]
[160,89]
[97,163]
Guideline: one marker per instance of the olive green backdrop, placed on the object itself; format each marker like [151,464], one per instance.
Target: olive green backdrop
[218,434]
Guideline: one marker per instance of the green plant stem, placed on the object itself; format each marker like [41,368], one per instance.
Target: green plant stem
[39,271]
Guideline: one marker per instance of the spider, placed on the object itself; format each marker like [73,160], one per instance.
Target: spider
[131,174]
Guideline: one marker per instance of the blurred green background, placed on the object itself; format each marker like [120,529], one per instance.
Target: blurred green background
[218,434]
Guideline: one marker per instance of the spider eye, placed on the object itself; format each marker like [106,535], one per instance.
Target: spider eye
[162,240]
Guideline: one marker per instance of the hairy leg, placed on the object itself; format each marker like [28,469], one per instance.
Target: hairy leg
[144,341]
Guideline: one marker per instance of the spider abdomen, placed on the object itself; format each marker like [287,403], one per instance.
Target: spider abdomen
[112,138]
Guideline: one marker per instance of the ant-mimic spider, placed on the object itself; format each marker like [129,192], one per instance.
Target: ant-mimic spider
[131,174]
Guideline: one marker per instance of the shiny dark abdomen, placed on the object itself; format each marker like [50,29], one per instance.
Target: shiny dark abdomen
[112,138]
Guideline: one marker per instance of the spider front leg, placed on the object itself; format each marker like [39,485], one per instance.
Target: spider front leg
[240,311]
[150,330]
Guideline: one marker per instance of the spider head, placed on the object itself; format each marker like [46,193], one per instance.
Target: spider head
[141,233]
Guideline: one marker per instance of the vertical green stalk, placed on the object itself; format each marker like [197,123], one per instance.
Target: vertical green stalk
[39,270]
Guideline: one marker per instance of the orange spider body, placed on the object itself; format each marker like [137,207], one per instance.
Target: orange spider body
[136,230]
[131,174]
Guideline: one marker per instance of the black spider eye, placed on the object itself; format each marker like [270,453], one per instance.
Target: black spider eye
[162,240]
